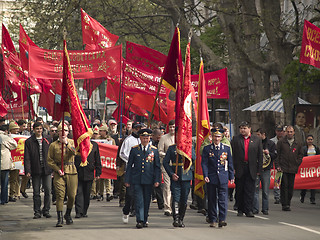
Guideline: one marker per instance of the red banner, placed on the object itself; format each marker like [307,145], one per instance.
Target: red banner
[108,156]
[308,176]
[216,84]
[141,80]
[16,111]
[310,46]
[47,64]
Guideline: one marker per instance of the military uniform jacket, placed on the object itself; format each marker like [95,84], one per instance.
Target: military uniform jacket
[169,164]
[143,168]
[54,157]
[217,165]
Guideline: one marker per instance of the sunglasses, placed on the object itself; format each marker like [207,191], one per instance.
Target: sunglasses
[54,130]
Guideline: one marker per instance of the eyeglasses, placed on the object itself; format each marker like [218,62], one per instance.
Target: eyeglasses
[54,130]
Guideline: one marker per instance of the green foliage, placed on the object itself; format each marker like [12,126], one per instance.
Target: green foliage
[300,77]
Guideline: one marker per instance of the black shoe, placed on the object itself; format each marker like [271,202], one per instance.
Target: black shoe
[255,212]
[67,216]
[265,212]
[301,199]
[231,198]
[139,225]
[181,224]
[235,207]
[24,194]
[249,214]
[109,197]
[94,197]
[240,213]
[85,215]
[37,216]
[12,199]
[167,214]
[121,204]
[202,211]
[60,219]
[312,201]
[222,224]
[277,202]
[194,207]
[145,225]
[286,208]
[132,214]
[47,215]
[78,215]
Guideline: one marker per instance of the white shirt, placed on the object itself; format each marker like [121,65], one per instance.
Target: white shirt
[126,146]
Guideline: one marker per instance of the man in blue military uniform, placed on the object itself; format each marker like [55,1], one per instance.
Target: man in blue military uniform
[217,167]
[180,183]
[143,171]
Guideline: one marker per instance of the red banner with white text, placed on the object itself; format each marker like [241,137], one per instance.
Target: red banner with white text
[108,156]
[216,84]
[47,64]
[310,46]
[308,176]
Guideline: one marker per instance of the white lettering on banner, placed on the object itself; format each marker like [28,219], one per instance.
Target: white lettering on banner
[108,162]
[310,172]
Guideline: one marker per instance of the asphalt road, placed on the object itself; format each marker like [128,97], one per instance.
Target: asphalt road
[104,222]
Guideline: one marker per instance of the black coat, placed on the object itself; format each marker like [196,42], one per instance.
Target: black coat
[32,156]
[94,164]
[271,146]
[254,154]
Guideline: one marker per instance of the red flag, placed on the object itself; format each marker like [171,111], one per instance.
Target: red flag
[94,35]
[46,100]
[3,107]
[310,46]
[24,42]
[70,103]
[184,120]
[6,40]
[203,130]
[145,58]
[173,69]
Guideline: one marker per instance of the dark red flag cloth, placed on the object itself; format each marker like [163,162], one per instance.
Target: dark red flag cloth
[24,42]
[19,110]
[203,131]
[184,120]
[216,84]
[70,103]
[145,58]
[3,107]
[310,46]
[173,70]
[94,35]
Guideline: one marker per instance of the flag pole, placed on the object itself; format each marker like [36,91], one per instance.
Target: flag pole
[121,92]
[105,102]
[154,103]
[22,101]
[62,145]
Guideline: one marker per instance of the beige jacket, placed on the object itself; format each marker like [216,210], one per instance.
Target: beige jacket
[8,144]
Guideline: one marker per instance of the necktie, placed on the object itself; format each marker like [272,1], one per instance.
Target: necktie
[144,149]
[217,148]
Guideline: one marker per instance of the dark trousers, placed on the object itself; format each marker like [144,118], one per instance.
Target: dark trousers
[286,188]
[245,189]
[157,193]
[129,204]
[217,193]
[82,201]
[180,191]
[4,186]
[312,194]
[142,197]
[46,184]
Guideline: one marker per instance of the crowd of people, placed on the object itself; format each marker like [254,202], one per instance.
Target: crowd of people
[150,169]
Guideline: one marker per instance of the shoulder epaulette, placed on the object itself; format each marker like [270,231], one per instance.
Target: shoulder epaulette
[135,146]
[225,144]
[154,147]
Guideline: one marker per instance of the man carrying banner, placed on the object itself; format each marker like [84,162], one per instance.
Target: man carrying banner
[217,169]
[180,183]
[63,177]
[288,161]
[143,171]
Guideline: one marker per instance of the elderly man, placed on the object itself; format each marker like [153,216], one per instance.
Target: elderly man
[143,172]
[289,158]
[217,169]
